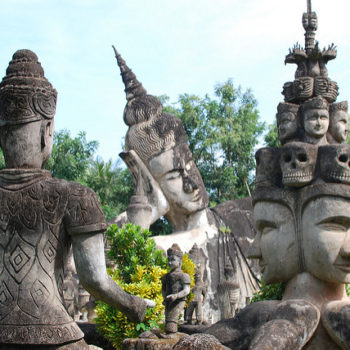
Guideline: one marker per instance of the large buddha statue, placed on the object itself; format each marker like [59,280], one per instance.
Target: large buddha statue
[40,219]
[159,158]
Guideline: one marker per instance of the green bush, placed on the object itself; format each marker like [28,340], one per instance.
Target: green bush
[140,268]
[269,292]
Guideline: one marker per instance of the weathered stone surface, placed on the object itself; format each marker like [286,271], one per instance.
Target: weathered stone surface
[41,219]
[199,342]
[237,332]
[166,343]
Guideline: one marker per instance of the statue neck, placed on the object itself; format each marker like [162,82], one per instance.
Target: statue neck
[306,286]
[182,222]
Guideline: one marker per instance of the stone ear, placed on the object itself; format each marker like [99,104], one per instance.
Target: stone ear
[46,132]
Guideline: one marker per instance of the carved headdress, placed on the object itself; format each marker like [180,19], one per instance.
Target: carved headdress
[151,131]
[25,94]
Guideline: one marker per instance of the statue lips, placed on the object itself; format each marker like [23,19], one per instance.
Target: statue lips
[343,267]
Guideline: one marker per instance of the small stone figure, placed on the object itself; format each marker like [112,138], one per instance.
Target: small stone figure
[315,117]
[176,285]
[287,122]
[228,293]
[199,294]
[338,122]
[41,219]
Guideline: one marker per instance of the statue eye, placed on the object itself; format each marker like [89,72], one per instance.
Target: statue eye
[265,227]
[335,224]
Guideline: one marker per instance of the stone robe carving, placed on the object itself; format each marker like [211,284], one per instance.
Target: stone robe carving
[38,215]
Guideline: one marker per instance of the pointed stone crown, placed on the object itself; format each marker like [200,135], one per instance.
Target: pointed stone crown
[133,88]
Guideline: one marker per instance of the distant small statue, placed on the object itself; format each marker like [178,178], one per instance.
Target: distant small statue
[176,285]
[228,293]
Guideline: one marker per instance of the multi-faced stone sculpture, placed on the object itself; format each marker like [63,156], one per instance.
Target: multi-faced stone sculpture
[41,218]
[176,285]
[303,237]
[158,155]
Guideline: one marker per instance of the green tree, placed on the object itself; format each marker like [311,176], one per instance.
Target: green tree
[71,157]
[222,134]
[112,183]
[271,137]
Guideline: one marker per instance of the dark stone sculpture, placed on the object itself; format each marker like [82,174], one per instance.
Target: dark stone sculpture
[157,154]
[176,285]
[41,218]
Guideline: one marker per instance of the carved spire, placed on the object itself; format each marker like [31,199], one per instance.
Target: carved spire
[310,26]
[133,88]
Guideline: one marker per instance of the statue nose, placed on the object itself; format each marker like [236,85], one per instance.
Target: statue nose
[189,185]
[345,249]
[254,251]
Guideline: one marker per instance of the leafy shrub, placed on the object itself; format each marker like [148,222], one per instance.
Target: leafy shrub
[188,266]
[140,268]
[269,292]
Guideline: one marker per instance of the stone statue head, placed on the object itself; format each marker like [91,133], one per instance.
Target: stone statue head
[338,122]
[276,243]
[27,109]
[287,122]
[315,119]
[160,141]
[325,223]
[174,257]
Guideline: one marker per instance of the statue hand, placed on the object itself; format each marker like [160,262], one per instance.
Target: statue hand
[145,183]
[171,297]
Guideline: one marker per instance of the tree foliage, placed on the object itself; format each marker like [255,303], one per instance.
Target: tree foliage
[71,157]
[222,134]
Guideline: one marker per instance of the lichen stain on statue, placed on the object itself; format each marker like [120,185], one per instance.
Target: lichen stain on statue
[157,154]
[41,218]
[302,214]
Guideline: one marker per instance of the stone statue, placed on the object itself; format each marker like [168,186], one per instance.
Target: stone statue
[302,215]
[200,288]
[176,285]
[41,218]
[338,122]
[228,293]
[157,154]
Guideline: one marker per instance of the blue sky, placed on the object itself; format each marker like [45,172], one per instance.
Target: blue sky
[173,47]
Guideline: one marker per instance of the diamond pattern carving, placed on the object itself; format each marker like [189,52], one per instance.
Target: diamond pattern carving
[39,293]
[18,259]
[5,296]
[49,251]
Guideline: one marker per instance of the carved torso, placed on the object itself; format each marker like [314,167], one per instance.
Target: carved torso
[38,215]
[174,282]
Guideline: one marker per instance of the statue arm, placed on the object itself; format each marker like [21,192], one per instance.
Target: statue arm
[149,185]
[88,250]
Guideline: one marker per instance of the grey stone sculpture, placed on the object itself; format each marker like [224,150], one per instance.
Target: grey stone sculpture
[157,154]
[302,214]
[176,285]
[41,218]
[228,293]
[200,288]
